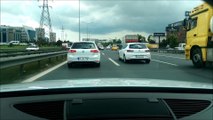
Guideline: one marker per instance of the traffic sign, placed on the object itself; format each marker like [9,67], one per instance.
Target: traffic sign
[159,34]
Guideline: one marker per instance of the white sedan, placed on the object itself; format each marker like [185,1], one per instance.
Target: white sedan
[32,48]
[83,52]
[134,51]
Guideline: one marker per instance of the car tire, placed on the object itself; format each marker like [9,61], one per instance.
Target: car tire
[69,65]
[124,59]
[147,61]
[119,57]
[98,64]
[197,58]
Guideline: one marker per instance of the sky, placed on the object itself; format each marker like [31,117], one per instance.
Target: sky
[101,19]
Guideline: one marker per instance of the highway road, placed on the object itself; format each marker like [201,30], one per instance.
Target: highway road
[163,66]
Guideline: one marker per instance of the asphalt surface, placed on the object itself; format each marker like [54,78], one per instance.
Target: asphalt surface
[162,66]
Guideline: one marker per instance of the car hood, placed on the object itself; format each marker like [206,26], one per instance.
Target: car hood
[104,82]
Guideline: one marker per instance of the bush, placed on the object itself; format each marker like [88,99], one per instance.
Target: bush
[172,41]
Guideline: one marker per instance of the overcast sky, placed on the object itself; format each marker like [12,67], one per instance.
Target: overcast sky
[105,19]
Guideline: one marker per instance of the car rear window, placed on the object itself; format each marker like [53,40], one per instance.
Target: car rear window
[137,46]
[83,46]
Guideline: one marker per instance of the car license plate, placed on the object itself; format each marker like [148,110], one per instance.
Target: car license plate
[83,58]
[139,56]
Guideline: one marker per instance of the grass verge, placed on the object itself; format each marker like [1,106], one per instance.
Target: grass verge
[13,74]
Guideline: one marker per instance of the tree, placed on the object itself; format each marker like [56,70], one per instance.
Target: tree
[41,42]
[141,38]
[150,39]
[116,41]
[172,41]
[163,43]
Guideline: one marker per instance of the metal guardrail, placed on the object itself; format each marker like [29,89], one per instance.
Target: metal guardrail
[168,51]
[21,60]
[24,52]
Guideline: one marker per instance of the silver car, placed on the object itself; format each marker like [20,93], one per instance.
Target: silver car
[83,52]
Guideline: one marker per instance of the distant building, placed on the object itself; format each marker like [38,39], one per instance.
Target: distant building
[177,29]
[53,37]
[8,33]
[28,34]
[40,33]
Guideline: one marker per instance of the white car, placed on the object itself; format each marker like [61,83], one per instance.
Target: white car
[32,48]
[83,52]
[14,42]
[134,51]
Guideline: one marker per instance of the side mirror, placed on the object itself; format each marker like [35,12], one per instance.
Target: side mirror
[211,24]
[185,23]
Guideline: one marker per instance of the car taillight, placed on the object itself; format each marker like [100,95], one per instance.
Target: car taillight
[130,50]
[72,51]
[147,50]
[94,51]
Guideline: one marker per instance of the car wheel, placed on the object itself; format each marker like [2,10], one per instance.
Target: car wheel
[119,57]
[69,65]
[197,58]
[147,61]
[124,59]
[98,64]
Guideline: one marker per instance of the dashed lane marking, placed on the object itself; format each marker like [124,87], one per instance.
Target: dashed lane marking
[159,61]
[114,62]
[169,56]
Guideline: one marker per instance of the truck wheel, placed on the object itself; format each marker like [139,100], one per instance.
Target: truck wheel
[197,58]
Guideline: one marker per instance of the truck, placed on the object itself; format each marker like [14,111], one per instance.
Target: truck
[130,38]
[199,36]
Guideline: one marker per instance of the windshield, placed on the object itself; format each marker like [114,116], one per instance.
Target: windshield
[137,46]
[62,29]
[83,46]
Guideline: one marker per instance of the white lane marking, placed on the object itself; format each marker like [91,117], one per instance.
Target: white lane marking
[103,53]
[168,56]
[164,62]
[43,73]
[114,62]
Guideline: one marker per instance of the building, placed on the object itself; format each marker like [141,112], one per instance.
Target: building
[52,37]
[21,34]
[28,34]
[8,33]
[178,30]
[40,33]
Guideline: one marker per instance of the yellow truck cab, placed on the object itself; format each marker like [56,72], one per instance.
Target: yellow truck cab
[199,38]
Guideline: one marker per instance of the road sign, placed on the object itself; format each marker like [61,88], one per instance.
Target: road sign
[159,34]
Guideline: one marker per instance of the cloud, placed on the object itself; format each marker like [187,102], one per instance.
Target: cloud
[104,17]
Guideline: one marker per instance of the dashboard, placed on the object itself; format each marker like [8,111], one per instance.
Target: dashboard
[107,104]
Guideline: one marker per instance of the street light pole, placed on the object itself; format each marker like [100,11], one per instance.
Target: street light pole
[87,31]
[79,22]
